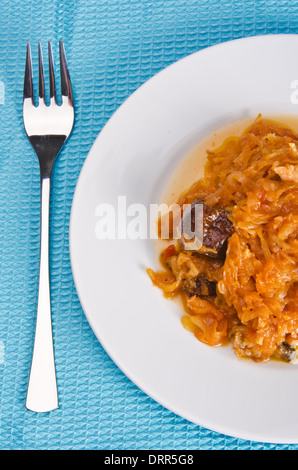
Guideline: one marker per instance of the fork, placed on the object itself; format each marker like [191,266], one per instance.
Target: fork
[47,128]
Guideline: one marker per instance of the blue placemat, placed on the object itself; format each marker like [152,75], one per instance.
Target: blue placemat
[113,46]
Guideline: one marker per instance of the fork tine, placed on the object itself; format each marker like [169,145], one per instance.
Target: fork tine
[66,89]
[28,82]
[51,73]
[41,74]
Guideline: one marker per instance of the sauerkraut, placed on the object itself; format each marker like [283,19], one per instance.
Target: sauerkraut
[249,296]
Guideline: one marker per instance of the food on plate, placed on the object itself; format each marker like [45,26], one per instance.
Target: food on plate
[239,284]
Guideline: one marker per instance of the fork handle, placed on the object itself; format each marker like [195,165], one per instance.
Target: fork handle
[42,393]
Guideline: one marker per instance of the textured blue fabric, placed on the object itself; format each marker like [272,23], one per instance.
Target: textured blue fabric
[113,46]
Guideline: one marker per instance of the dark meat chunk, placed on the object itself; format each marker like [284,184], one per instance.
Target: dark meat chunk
[200,287]
[217,229]
[286,352]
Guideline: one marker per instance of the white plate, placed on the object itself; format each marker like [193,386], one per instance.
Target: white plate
[132,156]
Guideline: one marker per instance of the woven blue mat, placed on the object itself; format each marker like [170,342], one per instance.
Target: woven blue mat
[113,46]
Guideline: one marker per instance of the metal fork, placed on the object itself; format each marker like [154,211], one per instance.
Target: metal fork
[47,128]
